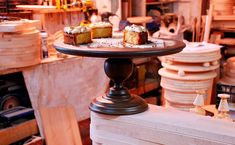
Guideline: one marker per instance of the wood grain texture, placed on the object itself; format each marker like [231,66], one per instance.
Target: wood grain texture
[160,125]
[60,126]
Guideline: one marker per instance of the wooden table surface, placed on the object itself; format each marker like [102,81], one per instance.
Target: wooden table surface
[139,20]
[156,47]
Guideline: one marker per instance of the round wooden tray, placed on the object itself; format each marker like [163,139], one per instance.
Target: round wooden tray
[115,48]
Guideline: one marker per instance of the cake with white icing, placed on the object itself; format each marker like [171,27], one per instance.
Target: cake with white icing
[135,34]
[77,35]
[101,30]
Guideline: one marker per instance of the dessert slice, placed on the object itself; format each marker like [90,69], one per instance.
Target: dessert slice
[77,35]
[101,30]
[135,34]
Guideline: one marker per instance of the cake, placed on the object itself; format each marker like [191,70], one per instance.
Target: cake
[135,34]
[77,35]
[101,30]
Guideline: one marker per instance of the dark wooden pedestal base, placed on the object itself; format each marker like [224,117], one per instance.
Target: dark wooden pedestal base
[118,100]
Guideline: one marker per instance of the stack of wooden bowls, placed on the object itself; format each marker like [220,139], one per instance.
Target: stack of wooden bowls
[189,71]
[20,44]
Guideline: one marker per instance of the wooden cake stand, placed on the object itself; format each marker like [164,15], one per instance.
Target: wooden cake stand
[118,67]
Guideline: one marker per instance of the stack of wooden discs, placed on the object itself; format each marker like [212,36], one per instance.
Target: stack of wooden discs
[186,72]
[20,44]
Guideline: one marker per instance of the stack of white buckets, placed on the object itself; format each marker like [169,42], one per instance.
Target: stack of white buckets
[186,72]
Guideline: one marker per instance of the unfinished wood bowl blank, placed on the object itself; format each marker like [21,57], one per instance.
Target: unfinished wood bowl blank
[188,83]
[191,70]
[179,97]
[182,107]
[180,91]
[195,53]
[183,100]
[188,77]
[190,67]
[20,49]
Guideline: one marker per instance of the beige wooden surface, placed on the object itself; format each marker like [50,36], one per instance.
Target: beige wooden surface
[60,126]
[18,132]
[160,125]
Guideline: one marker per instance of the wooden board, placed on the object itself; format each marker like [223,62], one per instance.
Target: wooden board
[12,134]
[14,26]
[60,126]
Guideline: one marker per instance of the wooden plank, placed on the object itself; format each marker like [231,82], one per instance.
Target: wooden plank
[12,134]
[203,28]
[194,29]
[208,24]
[60,126]
[199,23]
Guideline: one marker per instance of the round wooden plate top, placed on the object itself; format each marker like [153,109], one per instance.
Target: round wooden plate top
[114,47]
